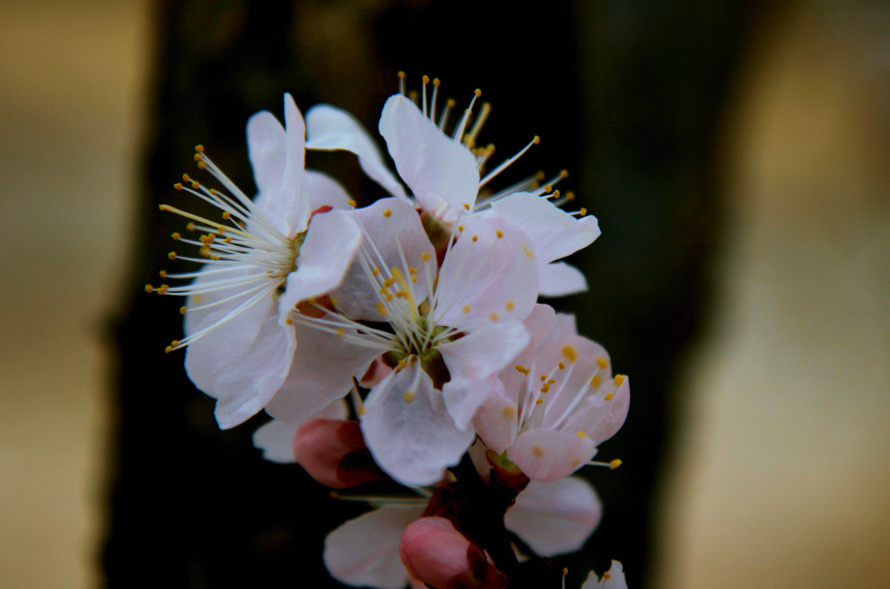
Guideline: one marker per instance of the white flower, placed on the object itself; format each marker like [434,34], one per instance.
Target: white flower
[444,331]
[551,518]
[261,258]
[557,402]
[443,173]
[611,579]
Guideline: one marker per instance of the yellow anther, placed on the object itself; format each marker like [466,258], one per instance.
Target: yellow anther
[536,140]
[562,365]
[375,271]
[539,402]
[581,434]
[583,211]
[401,294]
[199,148]
[178,186]
[195,184]
[340,332]
[402,75]
[602,362]
[522,369]
[149,288]
[529,254]
[570,353]
[465,308]
[499,233]
[163,289]
[543,378]
[387,213]
[226,215]
[551,381]
[606,576]
[163,273]
[570,196]
[619,380]
[556,194]
[493,316]
[190,226]
[351,203]
[477,92]
[451,103]
[214,191]
[545,388]
[182,310]
[412,270]
[414,278]
[615,464]
[215,258]
[563,174]
[475,238]
[609,396]
[175,235]
[334,300]
[509,412]
[425,257]
[408,396]
[390,281]
[204,252]
[381,309]
[197,157]
[186,178]
[509,305]
[537,451]
[387,297]
[596,381]
[436,82]
[228,239]
[466,206]
[460,227]
[548,188]
[426,79]
[171,256]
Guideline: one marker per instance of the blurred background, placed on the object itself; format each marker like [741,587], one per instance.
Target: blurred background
[736,155]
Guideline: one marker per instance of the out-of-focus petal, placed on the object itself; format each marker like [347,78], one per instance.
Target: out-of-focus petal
[329,128]
[276,440]
[559,279]
[555,517]
[433,165]
[351,558]
[408,430]
[331,244]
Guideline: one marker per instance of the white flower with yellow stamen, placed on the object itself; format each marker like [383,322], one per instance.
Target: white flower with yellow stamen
[444,173]
[444,332]
[556,403]
[291,243]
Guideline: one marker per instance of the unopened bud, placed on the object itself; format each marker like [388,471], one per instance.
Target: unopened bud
[334,453]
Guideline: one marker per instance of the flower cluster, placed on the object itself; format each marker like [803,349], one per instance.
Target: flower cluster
[403,341]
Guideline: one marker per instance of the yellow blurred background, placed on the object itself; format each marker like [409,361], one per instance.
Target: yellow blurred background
[778,478]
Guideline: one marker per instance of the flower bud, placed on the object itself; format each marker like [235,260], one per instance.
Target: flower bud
[441,557]
[333,452]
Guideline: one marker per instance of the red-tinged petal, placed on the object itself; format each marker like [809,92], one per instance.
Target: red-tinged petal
[351,558]
[333,452]
[276,438]
[434,166]
[329,129]
[555,517]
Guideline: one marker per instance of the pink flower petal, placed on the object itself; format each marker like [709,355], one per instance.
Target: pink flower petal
[547,455]
[558,279]
[555,517]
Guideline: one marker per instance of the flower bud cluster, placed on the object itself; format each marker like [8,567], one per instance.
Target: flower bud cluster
[418,317]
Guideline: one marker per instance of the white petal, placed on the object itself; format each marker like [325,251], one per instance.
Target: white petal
[352,559]
[554,232]
[276,440]
[321,190]
[486,277]
[559,279]
[241,363]
[296,206]
[332,242]
[433,165]
[615,580]
[474,358]
[496,420]
[555,517]
[266,148]
[392,230]
[329,128]
[321,373]
[412,441]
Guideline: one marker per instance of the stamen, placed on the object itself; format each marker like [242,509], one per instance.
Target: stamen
[508,162]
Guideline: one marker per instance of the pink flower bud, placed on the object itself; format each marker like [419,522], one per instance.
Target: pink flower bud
[440,556]
[333,452]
